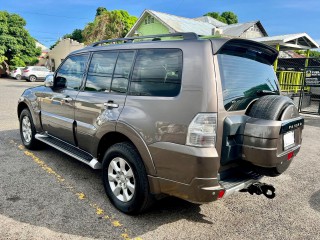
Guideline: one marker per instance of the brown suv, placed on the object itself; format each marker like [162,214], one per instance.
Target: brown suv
[168,115]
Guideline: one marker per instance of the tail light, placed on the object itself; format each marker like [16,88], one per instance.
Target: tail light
[202,130]
[221,193]
[25,70]
[15,71]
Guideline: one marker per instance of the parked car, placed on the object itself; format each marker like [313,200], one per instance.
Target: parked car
[34,73]
[16,73]
[198,119]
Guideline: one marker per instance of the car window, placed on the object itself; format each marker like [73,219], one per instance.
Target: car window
[44,69]
[71,72]
[157,72]
[100,71]
[122,71]
[242,79]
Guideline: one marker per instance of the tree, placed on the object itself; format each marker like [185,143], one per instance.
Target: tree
[100,10]
[108,24]
[17,46]
[75,35]
[230,17]
[225,17]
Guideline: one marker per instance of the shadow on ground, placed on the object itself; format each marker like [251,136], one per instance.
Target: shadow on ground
[315,201]
[29,195]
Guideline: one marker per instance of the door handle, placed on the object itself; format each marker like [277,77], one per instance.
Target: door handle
[111,104]
[67,99]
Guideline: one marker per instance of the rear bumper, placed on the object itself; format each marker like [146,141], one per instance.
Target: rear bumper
[192,174]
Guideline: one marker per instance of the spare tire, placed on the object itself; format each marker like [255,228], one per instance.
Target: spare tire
[269,107]
[272,107]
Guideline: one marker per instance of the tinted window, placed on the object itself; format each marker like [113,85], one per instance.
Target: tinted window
[157,72]
[71,72]
[243,79]
[121,74]
[100,71]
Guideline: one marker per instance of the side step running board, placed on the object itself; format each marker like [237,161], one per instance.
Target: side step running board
[72,151]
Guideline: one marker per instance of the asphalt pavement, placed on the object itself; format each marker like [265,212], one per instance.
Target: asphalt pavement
[46,194]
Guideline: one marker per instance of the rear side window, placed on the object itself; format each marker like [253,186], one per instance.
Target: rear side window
[100,71]
[122,71]
[157,72]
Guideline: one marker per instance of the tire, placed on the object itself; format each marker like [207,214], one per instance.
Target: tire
[18,77]
[27,130]
[127,190]
[32,78]
[269,107]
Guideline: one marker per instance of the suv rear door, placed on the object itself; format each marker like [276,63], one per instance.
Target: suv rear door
[102,99]
[57,105]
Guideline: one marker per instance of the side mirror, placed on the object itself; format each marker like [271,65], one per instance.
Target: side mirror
[49,81]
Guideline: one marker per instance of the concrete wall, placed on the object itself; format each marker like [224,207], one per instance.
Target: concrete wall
[60,51]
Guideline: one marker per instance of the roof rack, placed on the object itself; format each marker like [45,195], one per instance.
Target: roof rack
[185,35]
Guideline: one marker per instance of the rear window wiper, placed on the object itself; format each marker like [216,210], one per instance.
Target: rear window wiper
[267,92]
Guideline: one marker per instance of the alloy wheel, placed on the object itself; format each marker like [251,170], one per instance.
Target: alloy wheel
[26,129]
[121,179]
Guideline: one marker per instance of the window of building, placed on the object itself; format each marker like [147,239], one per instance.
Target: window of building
[157,72]
[149,20]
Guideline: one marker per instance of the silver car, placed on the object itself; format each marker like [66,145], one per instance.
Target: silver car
[34,73]
[16,73]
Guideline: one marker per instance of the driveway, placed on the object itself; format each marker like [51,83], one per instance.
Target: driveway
[46,194]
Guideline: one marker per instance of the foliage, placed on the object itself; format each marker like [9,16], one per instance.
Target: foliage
[100,10]
[108,24]
[225,17]
[55,44]
[75,35]
[16,44]
[311,54]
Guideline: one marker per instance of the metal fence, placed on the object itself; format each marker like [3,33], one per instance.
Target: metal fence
[299,79]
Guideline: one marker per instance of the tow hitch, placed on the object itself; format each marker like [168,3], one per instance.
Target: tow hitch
[261,188]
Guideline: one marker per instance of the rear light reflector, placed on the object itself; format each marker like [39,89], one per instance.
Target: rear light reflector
[221,193]
[202,130]
[290,155]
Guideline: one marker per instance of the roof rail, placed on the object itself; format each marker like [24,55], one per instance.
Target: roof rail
[185,35]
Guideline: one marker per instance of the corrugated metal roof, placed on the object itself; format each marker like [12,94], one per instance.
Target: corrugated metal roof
[181,24]
[289,39]
[211,20]
[237,29]
[201,26]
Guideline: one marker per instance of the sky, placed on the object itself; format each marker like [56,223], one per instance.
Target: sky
[48,20]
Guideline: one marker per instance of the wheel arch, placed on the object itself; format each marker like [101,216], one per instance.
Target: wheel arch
[24,103]
[125,133]
[21,106]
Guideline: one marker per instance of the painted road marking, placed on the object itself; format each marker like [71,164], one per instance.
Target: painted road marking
[81,196]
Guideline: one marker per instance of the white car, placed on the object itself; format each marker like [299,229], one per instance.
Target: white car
[16,73]
[34,73]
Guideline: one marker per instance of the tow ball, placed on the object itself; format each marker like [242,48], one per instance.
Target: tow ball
[261,188]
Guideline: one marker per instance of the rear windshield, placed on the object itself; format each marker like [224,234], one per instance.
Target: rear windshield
[243,80]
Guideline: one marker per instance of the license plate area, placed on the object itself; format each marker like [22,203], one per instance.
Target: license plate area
[288,140]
